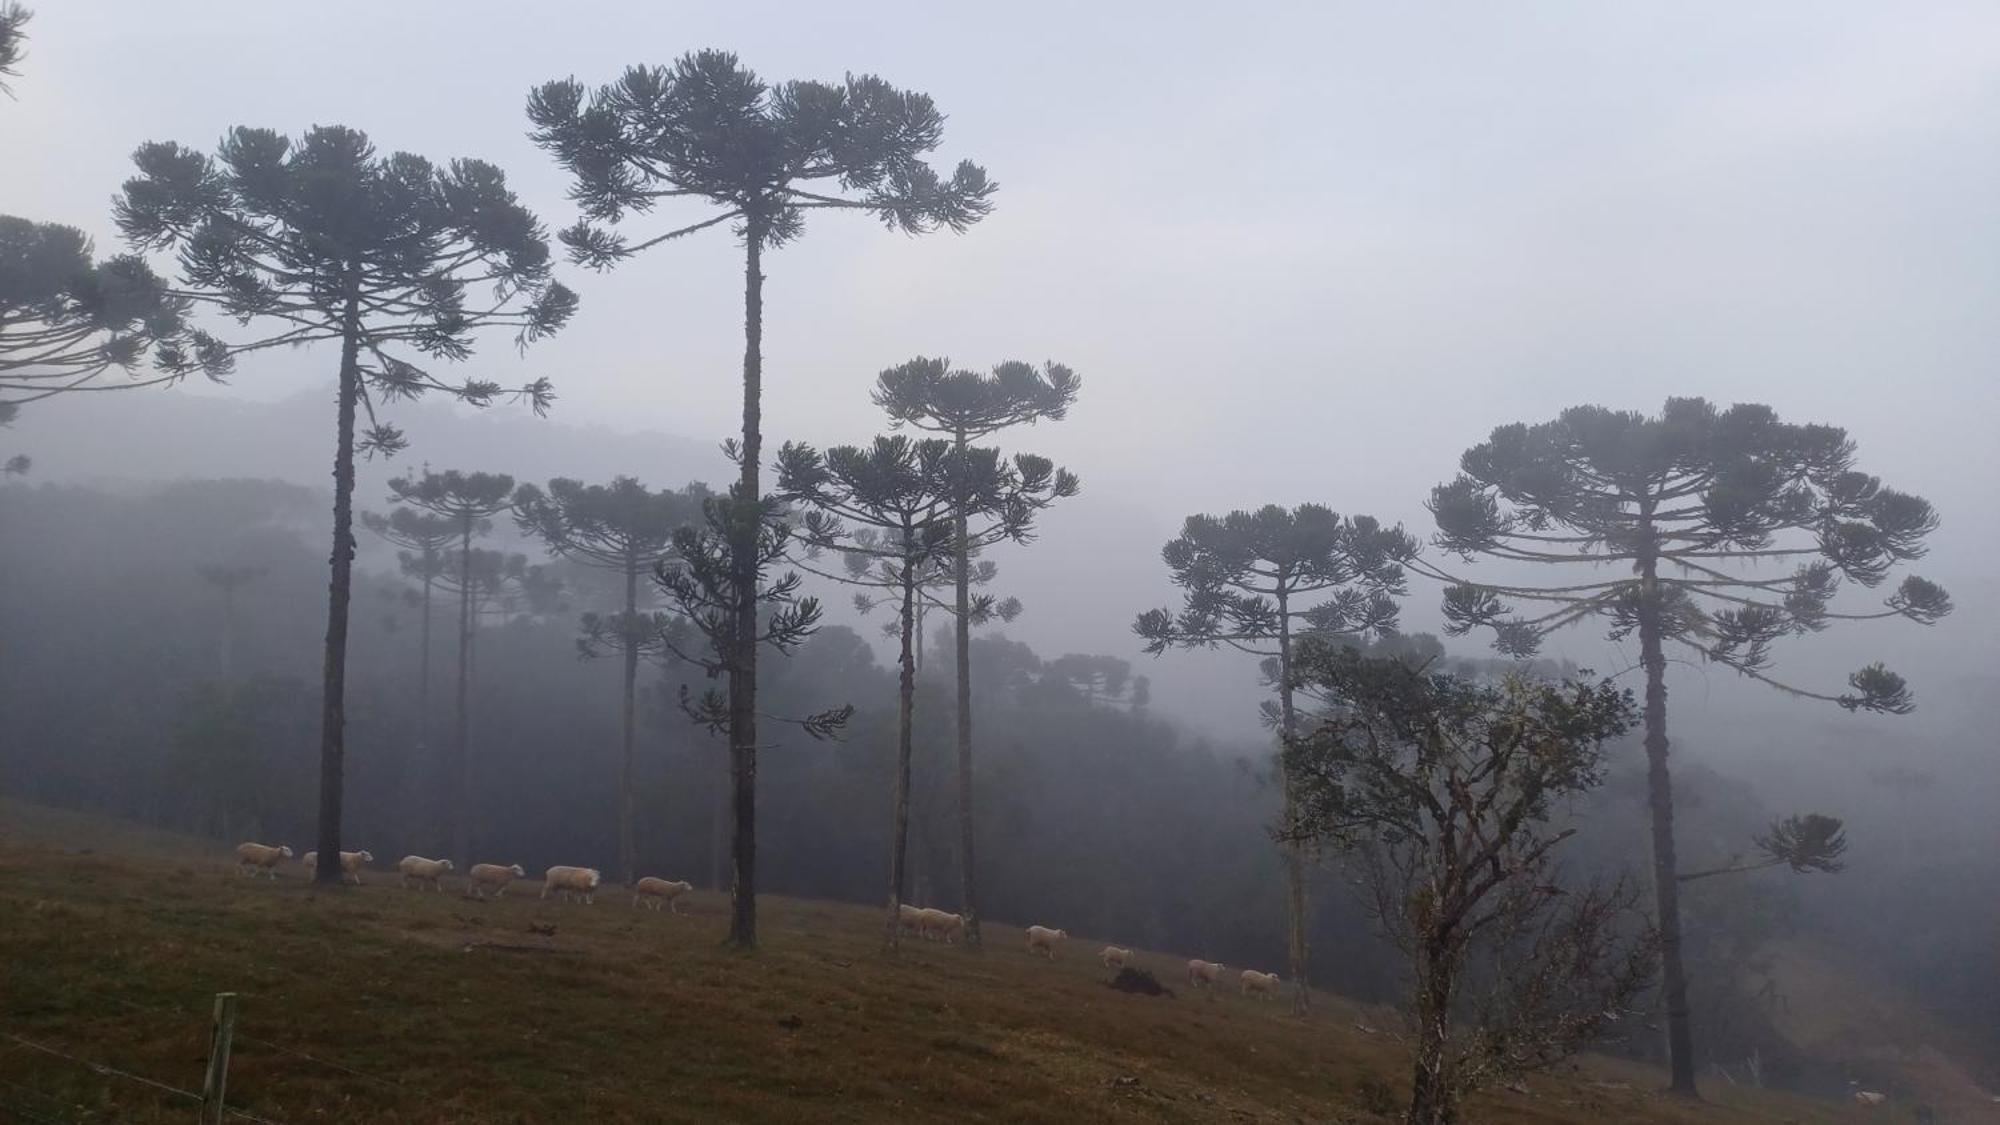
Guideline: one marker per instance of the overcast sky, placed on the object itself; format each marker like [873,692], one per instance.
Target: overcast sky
[1297,253]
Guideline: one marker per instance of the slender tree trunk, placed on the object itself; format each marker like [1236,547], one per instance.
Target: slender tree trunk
[227,659]
[1432,1100]
[1666,869]
[628,852]
[461,748]
[333,690]
[1295,864]
[424,652]
[906,698]
[743,559]
[968,884]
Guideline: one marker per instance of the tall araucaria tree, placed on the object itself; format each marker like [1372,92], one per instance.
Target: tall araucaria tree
[227,580]
[968,406]
[468,502]
[1255,581]
[424,538]
[910,494]
[13,39]
[624,527]
[1700,509]
[706,128]
[394,259]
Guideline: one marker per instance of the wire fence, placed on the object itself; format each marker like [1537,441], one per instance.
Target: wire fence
[43,1107]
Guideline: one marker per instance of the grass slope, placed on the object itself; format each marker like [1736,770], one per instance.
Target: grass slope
[415,1007]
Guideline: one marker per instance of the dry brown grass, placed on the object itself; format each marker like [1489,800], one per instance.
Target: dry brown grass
[438,1008]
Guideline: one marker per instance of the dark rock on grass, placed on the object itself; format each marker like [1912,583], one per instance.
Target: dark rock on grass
[1138,981]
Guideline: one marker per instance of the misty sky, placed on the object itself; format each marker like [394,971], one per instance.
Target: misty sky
[1296,252]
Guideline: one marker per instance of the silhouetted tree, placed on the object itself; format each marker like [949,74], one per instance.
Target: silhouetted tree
[13,40]
[1812,842]
[707,128]
[910,494]
[468,501]
[1256,580]
[330,242]
[626,528]
[966,406]
[1443,788]
[66,320]
[227,580]
[1692,505]
[424,538]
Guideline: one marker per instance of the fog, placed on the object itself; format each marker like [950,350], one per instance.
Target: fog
[1300,253]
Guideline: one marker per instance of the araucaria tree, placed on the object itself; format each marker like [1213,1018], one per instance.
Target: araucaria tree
[394,259]
[626,528]
[968,406]
[66,320]
[1729,529]
[1256,581]
[468,502]
[708,129]
[13,39]
[910,494]
[1442,788]
[227,580]
[424,538]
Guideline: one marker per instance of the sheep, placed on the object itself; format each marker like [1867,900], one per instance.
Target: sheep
[1204,973]
[654,890]
[1114,957]
[350,865]
[1043,940]
[423,870]
[1261,984]
[494,876]
[252,858]
[1870,1097]
[909,919]
[941,924]
[573,881]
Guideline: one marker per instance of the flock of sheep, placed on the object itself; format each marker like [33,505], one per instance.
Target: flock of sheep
[567,882]
[573,882]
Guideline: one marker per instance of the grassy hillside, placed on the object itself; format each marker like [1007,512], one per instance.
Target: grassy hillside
[386,1005]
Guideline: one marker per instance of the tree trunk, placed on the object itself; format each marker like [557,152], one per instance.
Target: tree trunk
[424,647]
[333,691]
[461,742]
[1295,865]
[628,852]
[906,698]
[1432,1099]
[1666,869]
[744,575]
[968,885]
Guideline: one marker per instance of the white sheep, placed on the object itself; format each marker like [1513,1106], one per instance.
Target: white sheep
[423,870]
[350,865]
[485,876]
[569,881]
[941,924]
[909,919]
[1870,1097]
[1043,940]
[1204,973]
[252,858]
[1114,957]
[654,890]
[1261,984]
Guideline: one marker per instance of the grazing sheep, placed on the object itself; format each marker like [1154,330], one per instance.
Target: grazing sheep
[909,919]
[252,858]
[1204,973]
[569,881]
[653,891]
[1261,984]
[350,865]
[1870,1097]
[941,924]
[423,870]
[1114,957]
[485,876]
[1043,940]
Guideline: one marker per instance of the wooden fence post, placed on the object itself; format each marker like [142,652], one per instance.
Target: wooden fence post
[214,1085]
